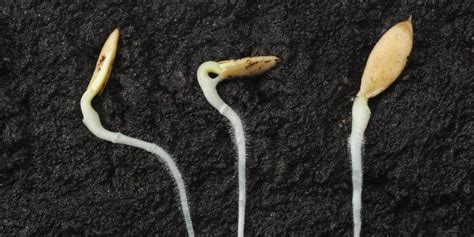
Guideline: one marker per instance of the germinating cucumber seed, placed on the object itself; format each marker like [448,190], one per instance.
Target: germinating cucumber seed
[92,121]
[385,63]
[231,69]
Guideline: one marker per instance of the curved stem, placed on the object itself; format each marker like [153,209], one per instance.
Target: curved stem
[360,119]
[92,121]
[208,86]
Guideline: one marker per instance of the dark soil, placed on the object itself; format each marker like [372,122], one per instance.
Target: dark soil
[58,178]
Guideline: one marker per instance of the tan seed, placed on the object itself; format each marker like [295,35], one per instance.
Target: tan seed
[387,59]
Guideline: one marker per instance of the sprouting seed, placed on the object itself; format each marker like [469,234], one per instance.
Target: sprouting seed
[245,67]
[92,121]
[384,65]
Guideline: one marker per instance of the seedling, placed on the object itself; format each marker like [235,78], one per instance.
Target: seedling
[209,75]
[385,63]
[92,121]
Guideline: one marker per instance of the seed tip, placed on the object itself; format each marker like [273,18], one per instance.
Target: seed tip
[104,62]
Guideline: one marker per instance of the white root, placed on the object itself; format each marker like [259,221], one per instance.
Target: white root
[239,136]
[360,119]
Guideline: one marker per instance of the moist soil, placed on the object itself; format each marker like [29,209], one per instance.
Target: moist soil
[57,178]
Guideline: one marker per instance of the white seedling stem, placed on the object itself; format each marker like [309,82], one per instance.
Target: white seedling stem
[224,70]
[92,121]
[242,157]
[360,119]
[384,65]
[208,86]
